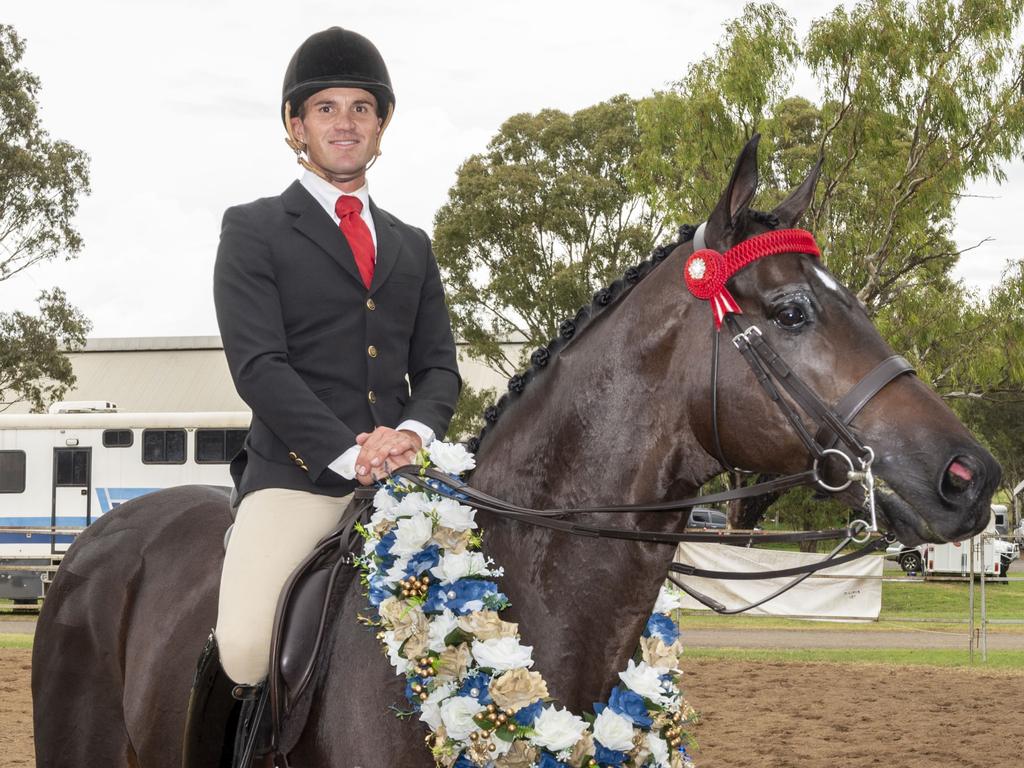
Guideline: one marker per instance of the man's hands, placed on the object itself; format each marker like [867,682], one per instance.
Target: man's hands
[382,450]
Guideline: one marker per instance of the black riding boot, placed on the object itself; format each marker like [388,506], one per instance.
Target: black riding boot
[211,723]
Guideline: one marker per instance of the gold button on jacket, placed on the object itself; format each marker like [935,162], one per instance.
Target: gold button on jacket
[371,351]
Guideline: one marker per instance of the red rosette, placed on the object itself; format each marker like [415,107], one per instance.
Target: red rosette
[705,273]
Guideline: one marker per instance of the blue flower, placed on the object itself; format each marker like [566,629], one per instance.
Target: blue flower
[547,760]
[630,705]
[446,490]
[383,548]
[527,715]
[480,682]
[464,762]
[379,591]
[606,756]
[661,625]
[462,597]
[423,561]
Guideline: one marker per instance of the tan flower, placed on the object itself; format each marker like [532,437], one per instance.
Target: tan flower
[418,642]
[582,748]
[404,620]
[453,662]
[384,527]
[485,625]
[479,753]
[521,755]
[452,542]
[518,688]
[657,654]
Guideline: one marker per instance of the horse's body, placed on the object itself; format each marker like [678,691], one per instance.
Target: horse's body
[620,415]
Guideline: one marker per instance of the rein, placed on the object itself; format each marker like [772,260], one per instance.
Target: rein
[707,273]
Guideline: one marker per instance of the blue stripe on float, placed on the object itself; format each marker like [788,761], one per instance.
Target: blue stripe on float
[38,539]
[112,497]
[42,522]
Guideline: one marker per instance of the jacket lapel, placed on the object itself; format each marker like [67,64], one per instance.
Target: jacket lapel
[313,222]
[388,246]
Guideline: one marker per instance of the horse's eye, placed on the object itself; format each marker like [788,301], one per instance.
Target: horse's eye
[791,316]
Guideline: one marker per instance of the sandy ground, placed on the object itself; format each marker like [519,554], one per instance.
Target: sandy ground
[771,715]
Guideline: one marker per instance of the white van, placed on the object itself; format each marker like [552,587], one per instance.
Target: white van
[62,470]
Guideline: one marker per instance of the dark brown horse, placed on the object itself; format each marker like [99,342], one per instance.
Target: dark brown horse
[618,414]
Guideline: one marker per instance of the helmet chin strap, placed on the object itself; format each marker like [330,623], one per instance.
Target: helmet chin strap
[298,147]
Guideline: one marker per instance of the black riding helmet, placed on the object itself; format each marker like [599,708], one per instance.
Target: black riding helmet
[336,58]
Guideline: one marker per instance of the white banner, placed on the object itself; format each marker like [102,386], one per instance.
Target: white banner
[852,591]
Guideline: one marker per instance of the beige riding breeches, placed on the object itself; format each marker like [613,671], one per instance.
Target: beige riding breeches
[274,530]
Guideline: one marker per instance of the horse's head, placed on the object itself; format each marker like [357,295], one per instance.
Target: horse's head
[935,480]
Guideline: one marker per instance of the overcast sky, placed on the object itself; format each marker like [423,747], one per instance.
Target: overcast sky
[177,105]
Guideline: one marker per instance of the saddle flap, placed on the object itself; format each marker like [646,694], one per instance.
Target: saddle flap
[300,630]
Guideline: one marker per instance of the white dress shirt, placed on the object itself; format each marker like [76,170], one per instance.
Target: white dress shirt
[327,195]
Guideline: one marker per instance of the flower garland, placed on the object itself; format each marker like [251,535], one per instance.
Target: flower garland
[467,673]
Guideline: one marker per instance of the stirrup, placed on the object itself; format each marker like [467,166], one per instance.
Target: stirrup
[212,718]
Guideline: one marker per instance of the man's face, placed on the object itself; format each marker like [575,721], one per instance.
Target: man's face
[340,130]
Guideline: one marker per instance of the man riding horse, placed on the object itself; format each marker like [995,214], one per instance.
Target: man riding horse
[326,303]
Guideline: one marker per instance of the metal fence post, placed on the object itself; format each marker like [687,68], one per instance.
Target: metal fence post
[970,621]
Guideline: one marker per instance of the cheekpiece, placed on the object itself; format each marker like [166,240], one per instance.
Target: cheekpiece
[336,58]
[707,271]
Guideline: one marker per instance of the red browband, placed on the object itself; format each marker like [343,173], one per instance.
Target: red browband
[707,271]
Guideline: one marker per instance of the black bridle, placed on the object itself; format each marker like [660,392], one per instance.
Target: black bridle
[831,426]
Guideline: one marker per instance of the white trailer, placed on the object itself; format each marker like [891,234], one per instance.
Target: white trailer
[61,471]
[954,558]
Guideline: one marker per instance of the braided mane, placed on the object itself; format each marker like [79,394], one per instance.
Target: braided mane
[573,326]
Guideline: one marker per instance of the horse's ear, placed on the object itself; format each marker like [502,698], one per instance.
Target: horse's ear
[722,224]
[792,208]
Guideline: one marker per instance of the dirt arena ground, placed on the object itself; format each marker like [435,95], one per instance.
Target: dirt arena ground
[771,715]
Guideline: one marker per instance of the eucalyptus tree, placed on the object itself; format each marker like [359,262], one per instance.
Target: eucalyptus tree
[41,181]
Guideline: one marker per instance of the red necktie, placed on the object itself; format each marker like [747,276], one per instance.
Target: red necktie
[357,233]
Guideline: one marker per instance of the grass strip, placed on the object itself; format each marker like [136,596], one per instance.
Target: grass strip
[15,641]
[1012,661]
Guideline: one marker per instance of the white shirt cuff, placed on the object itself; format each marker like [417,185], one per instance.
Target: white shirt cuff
[345,465]
[426,433]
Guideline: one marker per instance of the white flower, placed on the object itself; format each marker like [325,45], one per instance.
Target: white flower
[452,458]
[613,731]
[659,750]
[430,710]
[385,504]
[453,515]
[412,534]
[668,601]
[454,567]
[645,680]
[441,626]
[502,653]
[413,504]
[399,662]
[557,729]
[457,715]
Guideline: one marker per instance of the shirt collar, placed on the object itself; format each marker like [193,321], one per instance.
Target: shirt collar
[327,194]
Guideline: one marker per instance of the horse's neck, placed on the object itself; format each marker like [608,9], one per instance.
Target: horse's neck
[595,430]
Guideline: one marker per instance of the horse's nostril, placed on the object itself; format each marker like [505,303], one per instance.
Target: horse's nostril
[960,473]
[957,478]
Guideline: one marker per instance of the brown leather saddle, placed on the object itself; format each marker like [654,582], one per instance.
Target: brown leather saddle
[302,618]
